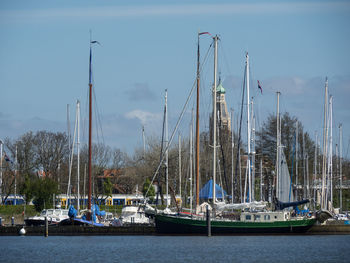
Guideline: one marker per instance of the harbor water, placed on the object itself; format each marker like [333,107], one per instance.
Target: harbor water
[313,248]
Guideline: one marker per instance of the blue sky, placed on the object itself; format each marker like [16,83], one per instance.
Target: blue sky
[149,46]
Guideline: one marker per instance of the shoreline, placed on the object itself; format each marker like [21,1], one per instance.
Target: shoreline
[141,230]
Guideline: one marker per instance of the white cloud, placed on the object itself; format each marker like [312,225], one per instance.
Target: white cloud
[143,116]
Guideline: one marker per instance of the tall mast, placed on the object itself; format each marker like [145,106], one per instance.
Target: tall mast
[252,186]
[166,147]
[340,167]
[330,155]
[69,156]
[16,169]
[180,165]
[90,132]
[278,145]
[296,158]
[248,130]
[304,168]
[232,151]
[214,113]
[197,125]
[261,180]
[325,134]
[315,171]
[78,154]
[191,166]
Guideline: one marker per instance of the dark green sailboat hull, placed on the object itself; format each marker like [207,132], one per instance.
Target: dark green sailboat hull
[187,226]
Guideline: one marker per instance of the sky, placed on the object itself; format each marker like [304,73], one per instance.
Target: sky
[149,46]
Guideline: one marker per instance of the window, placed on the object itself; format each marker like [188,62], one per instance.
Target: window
[248,217]
[257,217]
[266,217]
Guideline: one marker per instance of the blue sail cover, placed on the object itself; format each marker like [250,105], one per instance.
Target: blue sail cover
[207,191]
[72,212]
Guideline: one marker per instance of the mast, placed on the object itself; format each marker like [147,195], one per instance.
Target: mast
[330,155]
[248,132]
[232,152]
[304,168]
[315,170]
[180,166]
[253,153]
[191,158]
[78,154]
[197,126]
[90,133]
[16,163]
[278,145]
[69,156]
[166,147]
[214,113]
[340,167]
[296,158]
[261,181]
[325,134]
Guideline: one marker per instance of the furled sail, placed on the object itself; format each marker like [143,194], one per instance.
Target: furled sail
[284,191]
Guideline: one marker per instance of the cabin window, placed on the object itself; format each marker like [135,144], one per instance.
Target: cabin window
[248,217]
[266,217]
[257,217]
[275,217]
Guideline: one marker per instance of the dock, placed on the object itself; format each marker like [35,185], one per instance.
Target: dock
[136,230]
[79,230]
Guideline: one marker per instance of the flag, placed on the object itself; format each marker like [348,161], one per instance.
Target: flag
[7,159]
[202,33]
[259,86]
[95,42]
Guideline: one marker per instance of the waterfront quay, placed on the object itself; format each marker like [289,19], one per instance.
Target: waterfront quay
[78,230]
[331,229]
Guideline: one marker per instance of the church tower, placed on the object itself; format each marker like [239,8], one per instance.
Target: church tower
[223,120]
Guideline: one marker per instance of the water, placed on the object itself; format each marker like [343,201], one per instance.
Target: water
[175,249]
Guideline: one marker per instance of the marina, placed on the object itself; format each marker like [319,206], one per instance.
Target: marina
[199,132]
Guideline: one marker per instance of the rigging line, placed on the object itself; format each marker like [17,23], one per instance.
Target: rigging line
[96,110]
[86,110]
[222,49]
[98,118]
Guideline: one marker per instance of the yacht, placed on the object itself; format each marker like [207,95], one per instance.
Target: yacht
[54,216]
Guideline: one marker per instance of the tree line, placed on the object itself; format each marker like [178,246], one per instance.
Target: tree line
[42,166]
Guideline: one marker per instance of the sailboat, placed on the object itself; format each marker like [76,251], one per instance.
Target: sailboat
[253,218]
[93,212]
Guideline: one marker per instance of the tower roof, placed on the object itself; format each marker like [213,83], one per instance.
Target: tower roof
[220,89]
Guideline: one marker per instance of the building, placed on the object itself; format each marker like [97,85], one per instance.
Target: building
[223,117]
